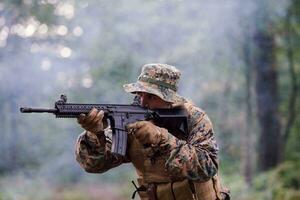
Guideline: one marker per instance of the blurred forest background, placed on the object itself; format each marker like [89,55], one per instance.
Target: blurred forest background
[239,61]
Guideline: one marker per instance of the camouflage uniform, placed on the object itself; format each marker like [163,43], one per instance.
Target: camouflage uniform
[172,163]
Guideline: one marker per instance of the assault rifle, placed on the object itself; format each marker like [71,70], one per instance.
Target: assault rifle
[119,116]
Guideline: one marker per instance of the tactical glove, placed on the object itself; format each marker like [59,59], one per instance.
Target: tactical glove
[148,133]
[93,121]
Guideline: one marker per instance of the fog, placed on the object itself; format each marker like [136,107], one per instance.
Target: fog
[89,49]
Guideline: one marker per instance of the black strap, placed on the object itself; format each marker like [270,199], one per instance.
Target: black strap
[137,189]
[173,193]
[193,189]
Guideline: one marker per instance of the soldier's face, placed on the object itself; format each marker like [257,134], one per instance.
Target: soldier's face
[152,101]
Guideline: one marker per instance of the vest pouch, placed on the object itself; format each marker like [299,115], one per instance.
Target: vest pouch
[164,191]
[143,195]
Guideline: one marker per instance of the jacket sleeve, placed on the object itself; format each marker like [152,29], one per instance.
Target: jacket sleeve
[93,153]
[196,158]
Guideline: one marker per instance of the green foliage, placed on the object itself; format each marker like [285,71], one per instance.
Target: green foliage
[292,151]
[288,56]
[280,183]
[289,174]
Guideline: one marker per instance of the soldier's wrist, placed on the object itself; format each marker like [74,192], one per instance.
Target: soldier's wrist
[96,137]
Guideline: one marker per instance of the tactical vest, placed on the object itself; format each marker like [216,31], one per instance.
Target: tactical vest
[155,183]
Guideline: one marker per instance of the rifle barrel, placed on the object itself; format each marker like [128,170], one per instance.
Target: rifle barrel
[37,110]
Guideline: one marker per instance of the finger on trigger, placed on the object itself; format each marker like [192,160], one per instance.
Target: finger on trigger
[140,124]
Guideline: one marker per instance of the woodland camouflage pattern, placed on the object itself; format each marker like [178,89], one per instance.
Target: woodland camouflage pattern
[158,79]
[195,159]
[172,160]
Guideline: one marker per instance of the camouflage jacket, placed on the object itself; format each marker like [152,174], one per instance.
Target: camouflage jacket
[195,158]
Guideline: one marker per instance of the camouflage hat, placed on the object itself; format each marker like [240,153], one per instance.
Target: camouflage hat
[160,80]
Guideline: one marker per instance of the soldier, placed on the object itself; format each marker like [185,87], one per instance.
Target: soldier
[168,168]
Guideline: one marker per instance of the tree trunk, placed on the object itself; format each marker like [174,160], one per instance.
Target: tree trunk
[293,78]
[267,100]
[246,138]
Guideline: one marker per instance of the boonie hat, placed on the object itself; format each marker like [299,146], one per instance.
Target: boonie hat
[160,80]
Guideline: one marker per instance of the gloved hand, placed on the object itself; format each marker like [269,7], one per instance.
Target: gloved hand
[93,121]
[148,133]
